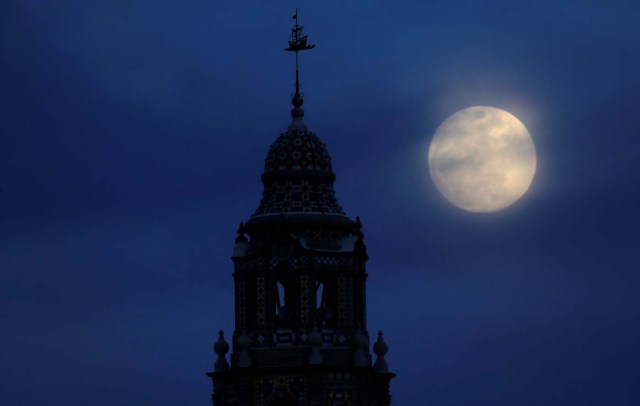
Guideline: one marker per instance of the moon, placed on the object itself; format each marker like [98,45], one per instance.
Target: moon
[482,159]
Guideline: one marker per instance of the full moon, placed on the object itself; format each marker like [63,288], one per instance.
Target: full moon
[482,159]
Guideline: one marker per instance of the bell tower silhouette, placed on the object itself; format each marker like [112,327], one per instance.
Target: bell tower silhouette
[300,333]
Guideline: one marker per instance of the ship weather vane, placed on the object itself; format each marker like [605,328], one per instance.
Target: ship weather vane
[297,43]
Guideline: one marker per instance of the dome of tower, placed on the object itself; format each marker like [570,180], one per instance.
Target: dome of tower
[298,149]
[297,177]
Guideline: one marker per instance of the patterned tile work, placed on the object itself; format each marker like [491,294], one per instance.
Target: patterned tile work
[265,388]
[298,177]
[304,298]
[273,263]
[297,387]
[297,150]
[332,260]
[241,297]
[244,265]
[269,387]
[298,195]
[326,260]
[349,301]
[323,235]
[292,263]
[260,301]
[328,337]
[284,338]
[231,398]
[342,301]
[363,297]
[338,396]
[341,376]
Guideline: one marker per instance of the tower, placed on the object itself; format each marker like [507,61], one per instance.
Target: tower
[300,333]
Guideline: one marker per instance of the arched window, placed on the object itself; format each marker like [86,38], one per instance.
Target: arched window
[323,303]
[284,302]
[319,293]
[280,299]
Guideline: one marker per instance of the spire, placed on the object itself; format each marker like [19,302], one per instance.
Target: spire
[297,43]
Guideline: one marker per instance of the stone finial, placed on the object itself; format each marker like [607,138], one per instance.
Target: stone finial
[297,113]
[358,224]
[221,347]
[380,348]
[242,243]
[359,245]
[359,342]
[315,340]
[240,231]
[243,342]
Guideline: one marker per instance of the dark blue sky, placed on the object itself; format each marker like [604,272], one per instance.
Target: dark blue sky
[132,139]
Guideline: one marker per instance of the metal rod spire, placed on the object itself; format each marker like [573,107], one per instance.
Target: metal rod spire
[297,43]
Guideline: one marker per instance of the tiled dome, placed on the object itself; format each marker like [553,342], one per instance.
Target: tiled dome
[297,150]
[297,176]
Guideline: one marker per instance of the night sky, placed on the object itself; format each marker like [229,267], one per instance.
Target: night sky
[132,140]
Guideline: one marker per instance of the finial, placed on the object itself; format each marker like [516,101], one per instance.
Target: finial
[357,225]
[380,348]
[242,243]
[315,340]
[297,43]
[359,244]
[221,348]
[359,342]
[243,342]
[240,232]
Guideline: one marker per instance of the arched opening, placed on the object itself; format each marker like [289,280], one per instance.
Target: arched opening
[283,306]
[319,293]
[323,303]
[279,297]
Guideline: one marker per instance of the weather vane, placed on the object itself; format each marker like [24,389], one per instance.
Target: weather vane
[297,43]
